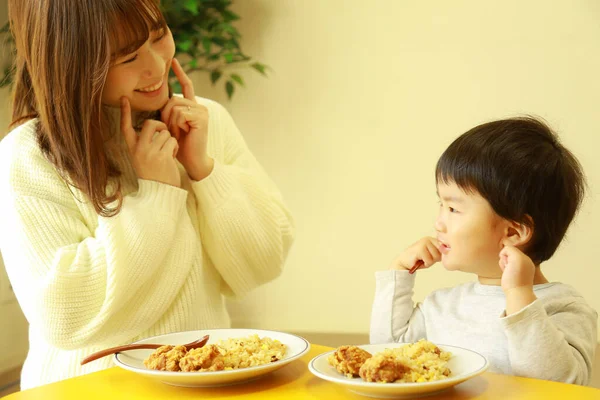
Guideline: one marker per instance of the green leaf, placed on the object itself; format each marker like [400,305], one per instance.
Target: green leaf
[228,28]
[238,79]
[206,43]
[215,75]
[184,45]
[191,6]
[259,67]
[176,86]
[229,88]
[8,78]
[6,81]
[241,57]
[228,57]
[219,41]
[229,16]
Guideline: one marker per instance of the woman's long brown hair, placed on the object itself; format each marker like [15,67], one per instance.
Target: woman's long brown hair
[64,49]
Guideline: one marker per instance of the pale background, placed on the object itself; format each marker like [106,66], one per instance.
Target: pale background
[362,100]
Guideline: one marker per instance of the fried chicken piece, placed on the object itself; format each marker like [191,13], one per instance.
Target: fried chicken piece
[347,360]
[207,358]
[382,368]
[166,358]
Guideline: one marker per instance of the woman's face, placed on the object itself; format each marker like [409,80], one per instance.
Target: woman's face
[142,76]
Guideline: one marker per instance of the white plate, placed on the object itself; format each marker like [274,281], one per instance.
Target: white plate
[133,360]
[464,364]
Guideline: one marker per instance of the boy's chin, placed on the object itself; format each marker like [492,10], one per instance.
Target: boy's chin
[448,264]
[451,266]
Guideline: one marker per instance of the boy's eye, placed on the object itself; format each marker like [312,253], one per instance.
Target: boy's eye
[451,209]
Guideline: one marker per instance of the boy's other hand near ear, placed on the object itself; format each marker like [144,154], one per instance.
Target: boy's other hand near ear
[518,271]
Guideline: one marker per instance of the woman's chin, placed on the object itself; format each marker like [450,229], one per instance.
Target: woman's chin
[143,102]
[157,104]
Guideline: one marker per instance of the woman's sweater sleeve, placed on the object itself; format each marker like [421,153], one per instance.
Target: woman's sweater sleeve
[245,226]
[78,286]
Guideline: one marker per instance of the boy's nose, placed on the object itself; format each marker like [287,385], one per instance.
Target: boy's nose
[439,224]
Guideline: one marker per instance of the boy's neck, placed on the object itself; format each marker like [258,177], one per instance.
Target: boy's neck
[538,279]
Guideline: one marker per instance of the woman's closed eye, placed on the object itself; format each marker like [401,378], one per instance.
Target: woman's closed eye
[161,34]
[130,60]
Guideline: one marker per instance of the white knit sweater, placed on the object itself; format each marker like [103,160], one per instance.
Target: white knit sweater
[161,265]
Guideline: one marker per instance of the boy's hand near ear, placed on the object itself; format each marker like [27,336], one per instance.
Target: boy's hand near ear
[518,271]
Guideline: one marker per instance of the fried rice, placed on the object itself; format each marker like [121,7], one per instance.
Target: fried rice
[227,354]
[418,362]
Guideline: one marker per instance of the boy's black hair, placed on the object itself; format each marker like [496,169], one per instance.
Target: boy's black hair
[526,175]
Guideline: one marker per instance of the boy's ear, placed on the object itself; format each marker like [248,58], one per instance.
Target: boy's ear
[519,234]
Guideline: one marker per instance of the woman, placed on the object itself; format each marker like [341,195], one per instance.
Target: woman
[111,235]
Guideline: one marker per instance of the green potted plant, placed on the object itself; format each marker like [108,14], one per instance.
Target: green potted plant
[206,41]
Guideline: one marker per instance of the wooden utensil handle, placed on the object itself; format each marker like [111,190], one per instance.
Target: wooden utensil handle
[105,352]
[418,265]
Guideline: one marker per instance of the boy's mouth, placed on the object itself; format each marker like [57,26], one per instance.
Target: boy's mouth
[444,248]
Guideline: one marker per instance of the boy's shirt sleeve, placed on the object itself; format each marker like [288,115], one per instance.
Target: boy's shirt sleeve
[555,341]
[394,317]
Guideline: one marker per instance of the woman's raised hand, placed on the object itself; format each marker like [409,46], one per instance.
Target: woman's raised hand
[188,121]
[153,152]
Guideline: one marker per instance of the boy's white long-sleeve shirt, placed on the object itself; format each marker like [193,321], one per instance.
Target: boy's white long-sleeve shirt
[161,265]
[553,338]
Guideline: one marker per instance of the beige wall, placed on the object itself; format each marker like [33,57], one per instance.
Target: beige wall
[364,98]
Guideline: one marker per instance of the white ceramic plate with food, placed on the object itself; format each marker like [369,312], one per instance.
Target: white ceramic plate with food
[464,364]
[133,360]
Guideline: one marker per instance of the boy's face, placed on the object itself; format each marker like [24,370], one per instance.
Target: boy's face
[469,231]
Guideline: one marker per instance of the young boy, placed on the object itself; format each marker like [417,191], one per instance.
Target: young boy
[508,191]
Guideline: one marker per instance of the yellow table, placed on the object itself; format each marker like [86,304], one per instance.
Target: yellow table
[293,381]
